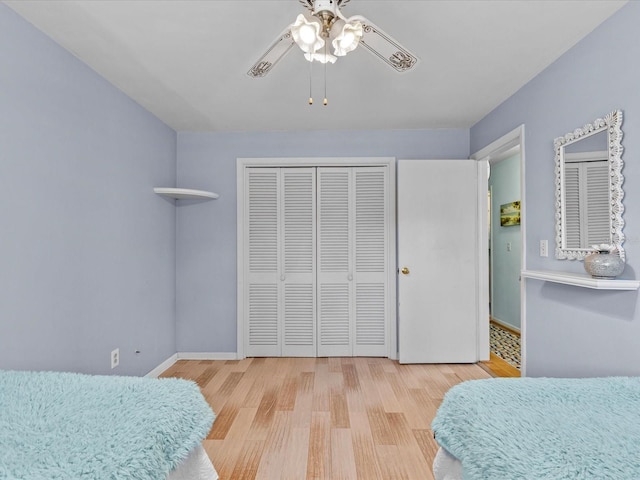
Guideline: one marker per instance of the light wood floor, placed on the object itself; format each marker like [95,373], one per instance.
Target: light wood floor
[322,418]
[500,368]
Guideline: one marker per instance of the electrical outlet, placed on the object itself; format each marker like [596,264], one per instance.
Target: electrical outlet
[544,248]
[508,246]
[115,358]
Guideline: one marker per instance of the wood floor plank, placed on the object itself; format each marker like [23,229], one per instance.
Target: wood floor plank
[400,429]
[350,376]
[363,448]
[247,466]
[205,377]
[339,410]
[301,415]
[224,420]
[380,428]
[287,393]
[319,452]
[322,418]
[276,446]
[391,464]
[343,463]
[225,453]
[264,416]
[295,465]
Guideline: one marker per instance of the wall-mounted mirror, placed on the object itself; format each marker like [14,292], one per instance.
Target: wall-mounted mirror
[589,188]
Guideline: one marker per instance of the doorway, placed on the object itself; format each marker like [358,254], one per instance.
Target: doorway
[505,259]
[504,250]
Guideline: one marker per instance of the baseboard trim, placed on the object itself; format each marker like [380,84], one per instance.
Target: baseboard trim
[207,356]
[506,325]
[155,373]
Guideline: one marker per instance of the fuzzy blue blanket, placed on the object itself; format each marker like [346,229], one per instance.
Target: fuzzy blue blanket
[73,426]
[543,428]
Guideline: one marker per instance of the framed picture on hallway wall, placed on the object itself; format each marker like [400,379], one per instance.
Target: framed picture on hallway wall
[510,214]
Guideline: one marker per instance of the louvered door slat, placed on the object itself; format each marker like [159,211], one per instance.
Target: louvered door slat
[334,220]
[370,315]
[263,316]
[335,320]
[299,316]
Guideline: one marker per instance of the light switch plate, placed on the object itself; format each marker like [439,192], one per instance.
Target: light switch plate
[544,248]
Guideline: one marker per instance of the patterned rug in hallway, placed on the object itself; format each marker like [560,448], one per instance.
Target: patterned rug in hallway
[505,344]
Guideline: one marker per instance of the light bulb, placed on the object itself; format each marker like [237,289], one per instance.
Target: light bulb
[308,34]
[346,36]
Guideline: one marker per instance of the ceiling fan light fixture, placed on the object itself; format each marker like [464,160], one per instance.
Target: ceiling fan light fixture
[347,36]
[307,33]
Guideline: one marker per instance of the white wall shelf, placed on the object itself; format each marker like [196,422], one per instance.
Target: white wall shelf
[581,280]
[185,193]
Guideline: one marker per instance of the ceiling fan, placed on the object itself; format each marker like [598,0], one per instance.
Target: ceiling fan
[324,33]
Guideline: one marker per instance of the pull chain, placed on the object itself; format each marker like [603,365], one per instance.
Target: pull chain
[325,101]
[310,72]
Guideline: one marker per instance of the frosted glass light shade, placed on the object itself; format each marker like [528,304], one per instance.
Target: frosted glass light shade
[306,33]
[347,36]
[320,57]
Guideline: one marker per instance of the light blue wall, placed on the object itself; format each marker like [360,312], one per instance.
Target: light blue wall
[206,240]
[505,187]
[87,250]
[572,331]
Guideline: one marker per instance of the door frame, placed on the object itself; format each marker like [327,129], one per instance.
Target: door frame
[484,156]
[390,162]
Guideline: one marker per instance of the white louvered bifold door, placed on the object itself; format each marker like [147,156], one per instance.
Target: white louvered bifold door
[298,269]
[280,246]
[262,293]
[370,274]
[352,261]
[335,271]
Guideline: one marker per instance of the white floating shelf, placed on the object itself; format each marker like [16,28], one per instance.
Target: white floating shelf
[581,280]
[185,193]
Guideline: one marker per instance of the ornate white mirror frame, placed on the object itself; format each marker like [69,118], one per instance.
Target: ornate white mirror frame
[611,124]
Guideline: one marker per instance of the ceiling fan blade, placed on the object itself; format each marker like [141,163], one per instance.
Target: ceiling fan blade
[385,47]
[276,51]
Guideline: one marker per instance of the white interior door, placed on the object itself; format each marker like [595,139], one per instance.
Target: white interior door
[437,245]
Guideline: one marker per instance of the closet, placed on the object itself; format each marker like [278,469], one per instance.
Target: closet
[316,261]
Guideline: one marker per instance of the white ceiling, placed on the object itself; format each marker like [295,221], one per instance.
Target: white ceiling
[187,61]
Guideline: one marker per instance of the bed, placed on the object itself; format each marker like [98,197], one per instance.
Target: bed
[57,425]
[539,428]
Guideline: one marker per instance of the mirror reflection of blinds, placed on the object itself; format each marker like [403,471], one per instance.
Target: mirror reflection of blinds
[587,219]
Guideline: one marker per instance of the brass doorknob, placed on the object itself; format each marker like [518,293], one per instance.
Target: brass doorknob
[405,270]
